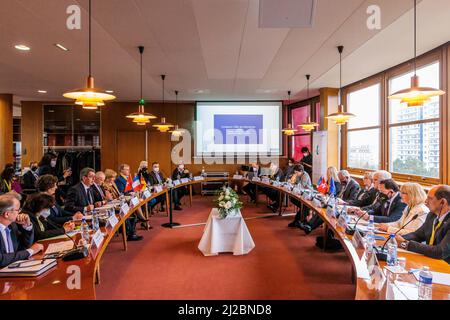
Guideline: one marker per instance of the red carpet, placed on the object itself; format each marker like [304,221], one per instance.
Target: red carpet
[285,264]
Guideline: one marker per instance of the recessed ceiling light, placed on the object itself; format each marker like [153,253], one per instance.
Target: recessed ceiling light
[51,111]
[42,91]
[109,91]
[22,47]
[199,91]
[60,46]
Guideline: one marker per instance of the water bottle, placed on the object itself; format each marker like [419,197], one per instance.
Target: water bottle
[370,235]
[203,171]
[425,284]
[392,251]
[85,236]
[95,222]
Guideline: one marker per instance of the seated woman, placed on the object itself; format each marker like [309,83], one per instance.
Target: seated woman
[48,184]
[302,179]
[414,196]
[38,208]
[366,195]
[7,178]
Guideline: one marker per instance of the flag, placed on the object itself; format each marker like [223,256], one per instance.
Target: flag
[143,183]
[322,185]
[332,188]
[129,186]
[136,184]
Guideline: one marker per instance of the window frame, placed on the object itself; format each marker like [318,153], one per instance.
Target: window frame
[441,55]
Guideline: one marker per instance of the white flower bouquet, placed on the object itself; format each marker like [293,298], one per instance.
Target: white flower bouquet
[227,202]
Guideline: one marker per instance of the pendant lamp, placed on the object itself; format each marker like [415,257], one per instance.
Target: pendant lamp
[89,97]
[141,118]
[177,132]
[308,126]
[416,96]
[163,126]
[289,131]
[341,117]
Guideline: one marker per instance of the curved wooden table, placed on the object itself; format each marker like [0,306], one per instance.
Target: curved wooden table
[59,282]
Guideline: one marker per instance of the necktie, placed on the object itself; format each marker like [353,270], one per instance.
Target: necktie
[88,191]
[9,246]
[101,191]
[159,178]
[433,233]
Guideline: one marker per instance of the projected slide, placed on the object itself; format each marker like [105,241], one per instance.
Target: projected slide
[238,128]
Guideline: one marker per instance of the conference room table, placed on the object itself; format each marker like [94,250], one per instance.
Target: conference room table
[58,282]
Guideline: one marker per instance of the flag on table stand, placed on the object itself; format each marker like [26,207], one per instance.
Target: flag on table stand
[143,183]
[322,185]
[129,186]
[136,184]
[332,189]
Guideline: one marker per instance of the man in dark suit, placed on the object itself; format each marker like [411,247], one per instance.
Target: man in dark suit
[349,187]
[432,239]
[179,173]
[366,196]
[157,178]
[30,177]
[250,188]
[16,232]
[276,174]
[80,197]
[100,197]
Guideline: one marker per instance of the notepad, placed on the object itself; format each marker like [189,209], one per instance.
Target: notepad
[438,277]
[59,247]
[28,268]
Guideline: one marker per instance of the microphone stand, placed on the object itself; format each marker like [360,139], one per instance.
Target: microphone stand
[350,231]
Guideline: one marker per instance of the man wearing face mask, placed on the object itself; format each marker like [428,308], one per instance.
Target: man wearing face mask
[179,173]
[30,177]
[250,188]
[306,161]
[392,206]
[290,169]
[432,239]
[157,178]
[38,208]
[349,187]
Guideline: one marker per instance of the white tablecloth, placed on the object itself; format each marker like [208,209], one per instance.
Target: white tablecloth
[225,235]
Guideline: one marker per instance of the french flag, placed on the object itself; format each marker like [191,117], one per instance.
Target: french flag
[136,184]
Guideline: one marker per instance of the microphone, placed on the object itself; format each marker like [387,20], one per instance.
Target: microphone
[381,253]
[77,252]
[350,231]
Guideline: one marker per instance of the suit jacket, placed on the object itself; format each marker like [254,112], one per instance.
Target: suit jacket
[21,240]
[364,197]
[59,216]
[375,207]
[29,180]
[48,231]
[391,213]
[182,174]
[121,183]
[77,198]
[154,179]
[251,173]
[97,194]
[289,172]
[278,175]
[441,247]
[351,190]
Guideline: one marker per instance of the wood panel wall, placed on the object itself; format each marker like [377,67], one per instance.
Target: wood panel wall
[6,129]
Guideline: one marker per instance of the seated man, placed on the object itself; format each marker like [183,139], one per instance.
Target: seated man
[30,177]
[179,173]
[432,239]
[392,206]
[290,169]
[303,180]
[101,197]
[16,232]
[157,178]
[80,197]
[250,188]
[378,176]
[349,187]
[48,184]
[366,196]
[275,174]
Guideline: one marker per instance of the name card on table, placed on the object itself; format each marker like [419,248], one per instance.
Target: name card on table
[185,180]
[199,178]
[238,177]
[112,221]
[176,182]
[357,240]
[124,208]
[266,180]
[146,194]
[256,179]
[158,189]
[97,238]
[135,201]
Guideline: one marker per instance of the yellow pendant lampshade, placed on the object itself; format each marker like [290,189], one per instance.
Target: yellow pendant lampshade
[308,126]
[177,132]
[416,96]
[289,131]
[141,117]
[89,97]
[163,126]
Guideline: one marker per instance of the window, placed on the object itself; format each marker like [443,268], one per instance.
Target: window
[363,133]
[414,133]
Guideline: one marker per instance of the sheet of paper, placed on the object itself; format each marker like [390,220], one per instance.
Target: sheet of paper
[59,247]
[438,277]
[407,290]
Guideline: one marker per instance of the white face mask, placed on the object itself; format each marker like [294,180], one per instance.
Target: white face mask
[255,169]
[45,213]
[156,169]
[181,167]
[53,163]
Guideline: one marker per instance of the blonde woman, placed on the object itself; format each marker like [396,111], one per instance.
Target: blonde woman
[414,197]
[109,185]
[332,172]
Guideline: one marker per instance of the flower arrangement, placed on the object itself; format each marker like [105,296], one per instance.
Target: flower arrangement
[227,202]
